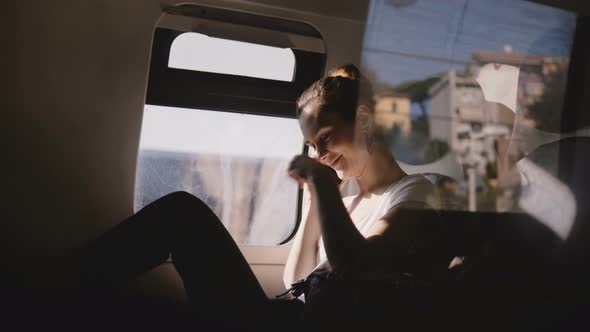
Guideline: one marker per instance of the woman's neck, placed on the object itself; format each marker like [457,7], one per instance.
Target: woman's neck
[380,171]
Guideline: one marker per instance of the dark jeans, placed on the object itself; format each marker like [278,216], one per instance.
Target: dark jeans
[218,281]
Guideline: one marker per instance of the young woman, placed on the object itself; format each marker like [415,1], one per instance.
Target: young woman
[362,243]
[367,239]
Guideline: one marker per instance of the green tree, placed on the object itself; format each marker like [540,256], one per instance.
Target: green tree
[418,91]
[546,111]
[377,84]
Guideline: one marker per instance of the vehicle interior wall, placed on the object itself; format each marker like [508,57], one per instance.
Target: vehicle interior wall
[80,81]
[80,85]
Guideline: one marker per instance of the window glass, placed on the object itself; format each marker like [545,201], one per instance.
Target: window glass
[236,163]
[472,87]
[195,51]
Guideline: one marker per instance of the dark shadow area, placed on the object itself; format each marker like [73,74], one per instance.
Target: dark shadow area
[516,271]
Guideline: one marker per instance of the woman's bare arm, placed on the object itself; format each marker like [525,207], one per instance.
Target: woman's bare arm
[407,226]
[340,235]
[302,257]
[347,249]
[342,239]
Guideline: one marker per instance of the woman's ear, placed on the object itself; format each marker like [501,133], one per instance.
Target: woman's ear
[363,116]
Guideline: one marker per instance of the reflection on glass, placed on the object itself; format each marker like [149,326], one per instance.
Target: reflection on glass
[466,89]
[546,198]
[236,163]
[499,84]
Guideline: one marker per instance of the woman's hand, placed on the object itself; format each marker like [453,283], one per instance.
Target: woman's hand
[303,168]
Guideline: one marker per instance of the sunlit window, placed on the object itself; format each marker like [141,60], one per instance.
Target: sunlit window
[236,163]
[195,51]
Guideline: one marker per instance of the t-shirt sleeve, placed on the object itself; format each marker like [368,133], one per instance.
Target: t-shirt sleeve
[411,192]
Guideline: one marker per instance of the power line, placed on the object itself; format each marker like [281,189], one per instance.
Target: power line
[417,56]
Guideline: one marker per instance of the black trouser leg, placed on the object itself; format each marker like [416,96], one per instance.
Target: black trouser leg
[217,278]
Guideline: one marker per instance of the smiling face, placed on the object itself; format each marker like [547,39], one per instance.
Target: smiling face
[334,140]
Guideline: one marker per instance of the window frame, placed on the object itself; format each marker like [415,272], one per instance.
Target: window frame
[183,88]
[223,92]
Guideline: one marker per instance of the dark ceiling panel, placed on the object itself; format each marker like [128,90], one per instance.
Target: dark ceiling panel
[349,9]
[578,6]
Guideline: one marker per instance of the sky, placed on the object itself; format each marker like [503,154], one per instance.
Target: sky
[208,132]
[421,38]
[196,51]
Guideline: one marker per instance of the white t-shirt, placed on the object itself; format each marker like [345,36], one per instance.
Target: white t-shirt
[413,189]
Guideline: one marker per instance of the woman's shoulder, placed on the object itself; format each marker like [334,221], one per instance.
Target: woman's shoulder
[411,188]
[414,182]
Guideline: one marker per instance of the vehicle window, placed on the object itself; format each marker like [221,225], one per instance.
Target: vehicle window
[236,163]
[219,122]
[468,89]
[195,51]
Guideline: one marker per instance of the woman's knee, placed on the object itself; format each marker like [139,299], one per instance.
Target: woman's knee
[186,207]
[178,195]
[180,199]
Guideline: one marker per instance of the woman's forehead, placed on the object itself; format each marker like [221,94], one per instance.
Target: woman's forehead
[314,118]
[308,122]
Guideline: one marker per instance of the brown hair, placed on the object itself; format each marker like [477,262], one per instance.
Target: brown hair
[348,71]
[341,91]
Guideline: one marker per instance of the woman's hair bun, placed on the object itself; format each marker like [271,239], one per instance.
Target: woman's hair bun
[340,91]
[349,71]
